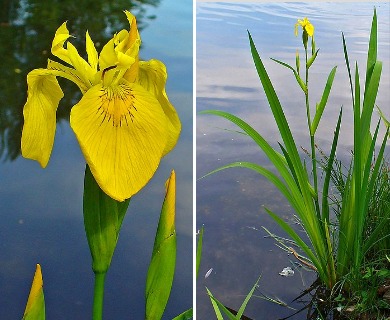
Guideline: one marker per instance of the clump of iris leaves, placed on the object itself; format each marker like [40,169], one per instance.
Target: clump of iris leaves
[346,220]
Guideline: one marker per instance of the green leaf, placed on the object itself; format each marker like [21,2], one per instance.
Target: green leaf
[35,308]
[372,50]
[328,170]
[348,67]
[162,265]
[296,74]
[370,97]
[312,59]
[290,231]
[186,315]
[215,303]
[249,295]
[218,306]
[103,218]
[324,99]
[264,172]
[387,123]
[199,250]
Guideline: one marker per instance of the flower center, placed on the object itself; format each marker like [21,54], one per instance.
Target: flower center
[117,105]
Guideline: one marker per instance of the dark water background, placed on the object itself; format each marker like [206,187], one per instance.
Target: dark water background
[41,210]
[230,204]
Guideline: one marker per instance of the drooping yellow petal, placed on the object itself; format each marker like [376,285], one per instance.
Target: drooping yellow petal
[153,76]
[296,29]
[57,47]
[122,131]
[44,94]
[309,29]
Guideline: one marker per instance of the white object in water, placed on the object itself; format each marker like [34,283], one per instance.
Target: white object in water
[208,273]
[287,272]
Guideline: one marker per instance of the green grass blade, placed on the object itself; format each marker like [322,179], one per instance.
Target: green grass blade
[217,306]
[348,68]
[264,172]
[289,163]
[324,99]
[249,295]
[186,315]
[370,97]
[387,123]
[328,172]
[290,231]
[346,227]
[367,171]
[199,250]
[276,158]
[372,50]
[374,174]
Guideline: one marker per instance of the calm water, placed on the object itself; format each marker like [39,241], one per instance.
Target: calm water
[230,204]
[41,210]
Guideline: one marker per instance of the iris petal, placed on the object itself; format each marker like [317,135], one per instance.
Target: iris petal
[107,57]
[153,76]
[71,74]
[91,52]
[57,47]
[44,94]
[122,131]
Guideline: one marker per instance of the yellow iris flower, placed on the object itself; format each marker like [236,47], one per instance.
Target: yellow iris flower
[306,26]
[124,121]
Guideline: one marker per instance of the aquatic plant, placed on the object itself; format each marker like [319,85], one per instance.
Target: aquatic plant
[331,255]
[125,124]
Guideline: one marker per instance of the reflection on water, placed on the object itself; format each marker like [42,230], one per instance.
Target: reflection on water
[41,217]
[230,204]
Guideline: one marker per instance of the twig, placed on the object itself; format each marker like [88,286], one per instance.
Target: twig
[296,255]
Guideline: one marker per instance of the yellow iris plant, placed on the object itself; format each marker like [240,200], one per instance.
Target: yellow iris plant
[124,121]
[306,26]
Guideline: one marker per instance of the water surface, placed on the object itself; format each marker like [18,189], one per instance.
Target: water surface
[231,204]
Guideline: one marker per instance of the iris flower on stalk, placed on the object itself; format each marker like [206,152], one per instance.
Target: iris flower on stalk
[306,26]
[124,121]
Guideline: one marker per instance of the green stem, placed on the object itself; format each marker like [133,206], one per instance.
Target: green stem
[98,296]
[312,140]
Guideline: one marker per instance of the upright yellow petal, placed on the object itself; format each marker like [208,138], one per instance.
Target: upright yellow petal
[57,47]
[122,131]
[107,57]
[91,52]
[85,71]
[153,76]
[134,40]
[44,94]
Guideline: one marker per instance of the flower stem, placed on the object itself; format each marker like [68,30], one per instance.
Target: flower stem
[312,140]
[98,296]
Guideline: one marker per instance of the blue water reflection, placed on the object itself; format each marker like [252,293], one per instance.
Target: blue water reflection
[230,204]
[41,210]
